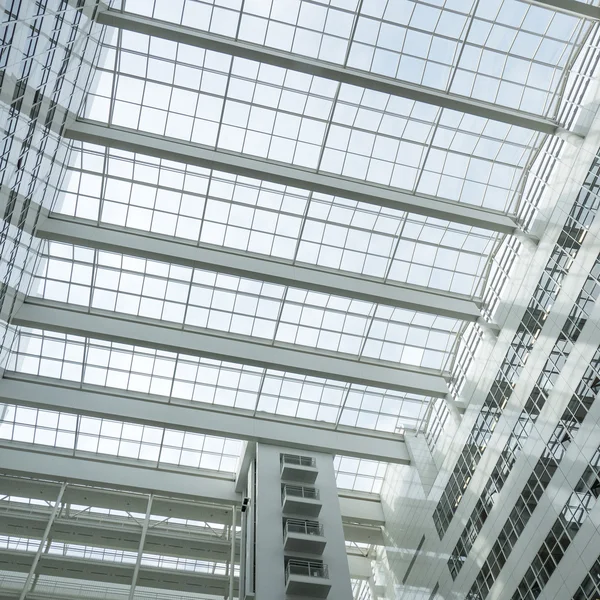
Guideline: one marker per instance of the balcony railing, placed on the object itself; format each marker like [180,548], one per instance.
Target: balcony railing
[306,568]
[293,459]
[304,527]
[299,491]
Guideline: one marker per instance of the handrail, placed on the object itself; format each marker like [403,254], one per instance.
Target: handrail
[304,527]
[294,459]
[306,568]
[299,491]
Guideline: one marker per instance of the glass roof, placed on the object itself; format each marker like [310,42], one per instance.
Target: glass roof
[210,207]
[197,95]
[506,52]
[503,51]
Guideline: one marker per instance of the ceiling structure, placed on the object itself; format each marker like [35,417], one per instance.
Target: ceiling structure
[302,211]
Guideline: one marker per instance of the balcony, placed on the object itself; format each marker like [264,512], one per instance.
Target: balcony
[302,469]
[306,578]
[304,536]
[300,500]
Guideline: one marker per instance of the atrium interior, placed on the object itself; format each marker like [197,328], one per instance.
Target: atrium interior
[298,299]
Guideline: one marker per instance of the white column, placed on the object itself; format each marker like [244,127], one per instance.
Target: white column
[138,562]
[232,556]
[270,553]
[38,554]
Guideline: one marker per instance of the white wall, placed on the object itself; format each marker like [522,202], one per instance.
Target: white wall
[408,507]
[270,579]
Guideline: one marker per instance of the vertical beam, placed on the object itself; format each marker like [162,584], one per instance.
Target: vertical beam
[138,561]
[232,557]
[38,554]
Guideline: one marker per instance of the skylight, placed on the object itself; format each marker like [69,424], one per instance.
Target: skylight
[513,54]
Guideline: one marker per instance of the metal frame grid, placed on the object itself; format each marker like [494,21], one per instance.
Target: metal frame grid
[532,190]
[509,53]
[145,370]
[195,298]
[238,105]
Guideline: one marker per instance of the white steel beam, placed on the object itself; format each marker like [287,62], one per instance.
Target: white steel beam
[90,469]
[181,492]
[140,550]
[575,8]
[70,319]
[231,565]
[328,70]
[365,510]
[103,531]
[36,559]
[237,163]
[22,485]
[265,268]
[89,569]
[205,584]
[196,417]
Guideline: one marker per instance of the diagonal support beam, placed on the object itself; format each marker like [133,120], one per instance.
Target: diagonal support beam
[327,70]
[575,8]
[265,268]
[236,163]
[67,318]
[196,417]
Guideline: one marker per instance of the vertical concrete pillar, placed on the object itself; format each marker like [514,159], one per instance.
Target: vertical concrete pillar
[314,535]
[420,456]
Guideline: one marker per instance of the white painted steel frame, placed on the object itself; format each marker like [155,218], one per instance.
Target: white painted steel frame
[65,318]
[23,485]
[99,531]
[91,569]
[264,268]
[321,68]
[49,463]
[36,559]
[236,163]
[114,534]
[363,517]
[172,489]
[140,550]
[571,7]
[201,418]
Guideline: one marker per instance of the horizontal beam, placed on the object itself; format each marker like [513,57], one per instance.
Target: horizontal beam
[116,533]
[237,163]
[264,268]
[363,511]
[21,484]
[576,8]
[181,494]
[69,319]
[89,569]
[49,463]
[320,68]
[107,532]
[195,417]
